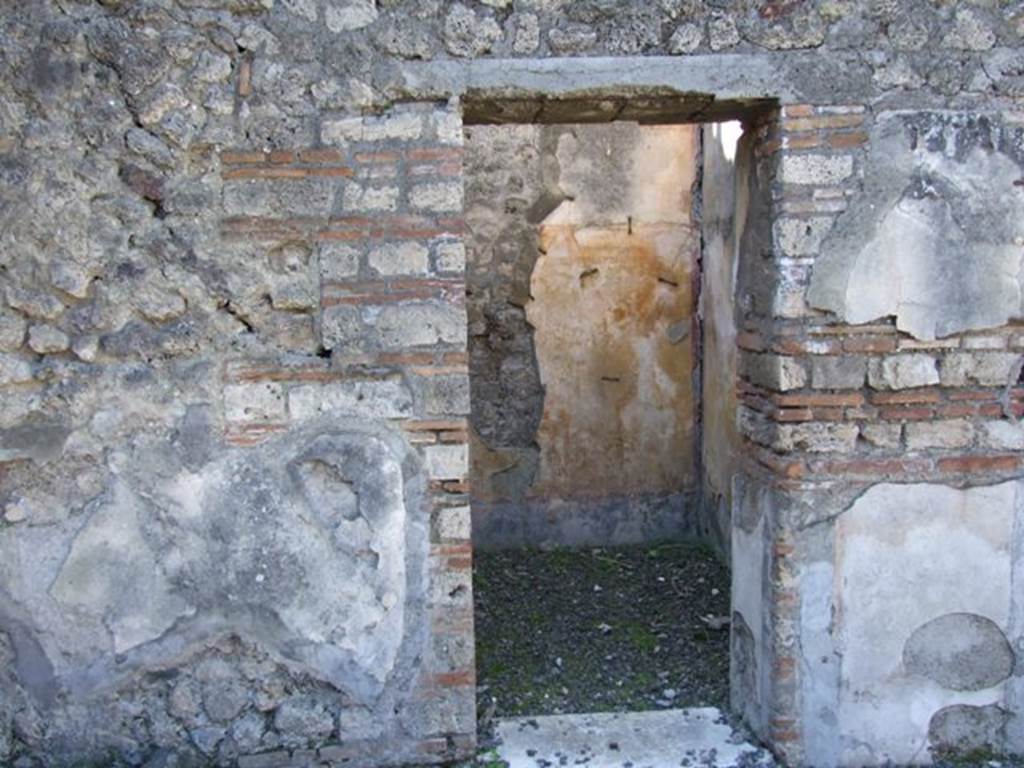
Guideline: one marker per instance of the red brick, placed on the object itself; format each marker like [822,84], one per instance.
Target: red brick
[321,156]
[281,156]
[371,158]
[822,122]
[461,436]
[433,425]
[245,78]
[434,154]
[973,394]
[801,142]
[870,344]
[785,467]
[906,397]
[816,346]
[455,679]
[821,399]
[230,157]
[871,467]
[797,110]
[905,414]
[793,415]
[847,140]
[990,409]
[828,414]
[971,464]
[750,341]
[956,410]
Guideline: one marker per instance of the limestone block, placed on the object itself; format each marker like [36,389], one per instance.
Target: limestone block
[447,462]
[450,256]
[817,437]
[801,237]
[404,258]
[903,371]
[337,261]
[437,196]
[882,435]
[399,126]
[776,372]
[821,170]
[289,197]
[422,324]
[386,398]
[838,371]
[453,523]
[1001,435]
[361,198]
[986,369]
[950,433]
[257,401]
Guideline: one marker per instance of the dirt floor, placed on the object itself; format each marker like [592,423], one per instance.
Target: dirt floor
[599,630]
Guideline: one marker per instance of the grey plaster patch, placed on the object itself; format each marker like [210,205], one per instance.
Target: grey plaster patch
[963,728]
[616,739]
[961,651]
[38,439]
[936,236]
[310,546]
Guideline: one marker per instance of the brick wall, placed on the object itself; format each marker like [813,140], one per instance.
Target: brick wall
[378,206]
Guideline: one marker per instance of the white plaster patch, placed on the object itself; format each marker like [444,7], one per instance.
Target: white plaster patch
[933,239]
[896,569]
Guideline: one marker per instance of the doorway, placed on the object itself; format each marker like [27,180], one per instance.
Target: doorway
[601,579]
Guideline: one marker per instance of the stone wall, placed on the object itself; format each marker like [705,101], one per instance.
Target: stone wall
[582,271]
[232,267]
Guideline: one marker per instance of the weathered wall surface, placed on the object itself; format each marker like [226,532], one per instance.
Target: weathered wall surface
[230,233]
[884,550]
[582,271]
[725,193]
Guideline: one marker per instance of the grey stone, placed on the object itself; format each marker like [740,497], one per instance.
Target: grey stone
[838,372]
[467,34]
[525,33]
[571,39]
[12,331]
[903,371]
[777,372]
[350,14]
[686,38]
[963,729]
[950,433]
[304,720]
[986,369]
[817,437]
[247,732]
[959,651]
[722,32]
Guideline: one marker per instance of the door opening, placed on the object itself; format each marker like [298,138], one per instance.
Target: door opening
[601,578]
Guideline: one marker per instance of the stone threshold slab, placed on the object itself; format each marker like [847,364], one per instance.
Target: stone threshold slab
[659,739]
